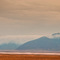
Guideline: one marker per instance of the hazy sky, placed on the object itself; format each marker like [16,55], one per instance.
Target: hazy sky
[29,17]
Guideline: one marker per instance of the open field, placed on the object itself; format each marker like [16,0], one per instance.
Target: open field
[28,57]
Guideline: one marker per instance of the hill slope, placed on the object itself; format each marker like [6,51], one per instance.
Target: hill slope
[9,46]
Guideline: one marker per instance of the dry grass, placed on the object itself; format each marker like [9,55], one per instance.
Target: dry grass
[28,57]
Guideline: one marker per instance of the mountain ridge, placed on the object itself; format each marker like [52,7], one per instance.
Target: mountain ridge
[43,43]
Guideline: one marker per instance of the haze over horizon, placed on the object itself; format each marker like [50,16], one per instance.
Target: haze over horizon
[28,19]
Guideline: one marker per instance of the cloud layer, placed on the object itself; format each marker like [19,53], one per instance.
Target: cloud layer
[26,17]
[29,9]
[18,39]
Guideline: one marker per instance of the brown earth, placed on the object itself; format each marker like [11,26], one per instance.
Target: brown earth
[28,57]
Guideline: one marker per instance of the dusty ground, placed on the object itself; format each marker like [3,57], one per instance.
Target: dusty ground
[28,57]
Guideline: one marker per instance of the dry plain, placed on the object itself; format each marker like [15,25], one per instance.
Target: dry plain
[28,57]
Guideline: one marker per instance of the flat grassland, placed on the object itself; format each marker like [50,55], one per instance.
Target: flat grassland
[28,57]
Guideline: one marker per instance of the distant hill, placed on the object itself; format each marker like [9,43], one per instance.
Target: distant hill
[9,46]
[43,43]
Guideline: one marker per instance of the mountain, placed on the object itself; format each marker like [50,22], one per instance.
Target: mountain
[43,43]
[9,46]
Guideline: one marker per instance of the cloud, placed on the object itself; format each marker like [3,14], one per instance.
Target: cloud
[20,39]
[27,17]
[26,8]
[56,35]
[30,10]
[35,11]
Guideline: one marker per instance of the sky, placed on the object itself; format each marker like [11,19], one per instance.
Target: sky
[28,18]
